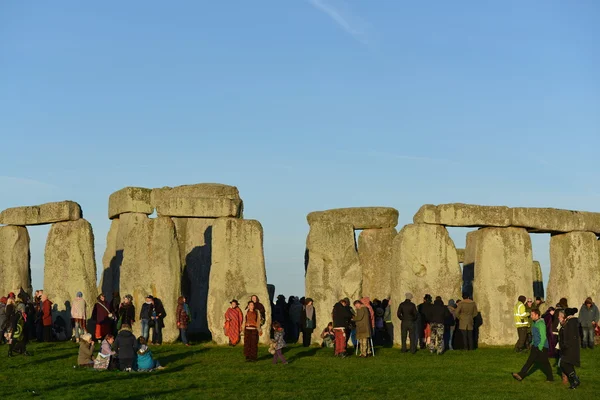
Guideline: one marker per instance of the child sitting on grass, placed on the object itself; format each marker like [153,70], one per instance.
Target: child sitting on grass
[328,336]
[145,362]
[86,349]
[279,343]
[106,353]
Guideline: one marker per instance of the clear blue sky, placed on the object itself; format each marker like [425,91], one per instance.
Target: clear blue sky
[304,105]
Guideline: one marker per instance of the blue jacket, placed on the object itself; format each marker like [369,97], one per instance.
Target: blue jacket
[144,358]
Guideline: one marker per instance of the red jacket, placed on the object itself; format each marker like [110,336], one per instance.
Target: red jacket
[47,313]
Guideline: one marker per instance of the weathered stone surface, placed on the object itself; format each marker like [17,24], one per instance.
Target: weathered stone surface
[334,270]
[43,214]
[574,268]
[358,217]
[109,281]
[550,220]
[502,259]
[537,272]
[467,215]
[424,261]
[375,256]
[194,236]
[151,265]
[238,271]
[206,200]
[460,253]
[14,260]
[130,200]
[70,266]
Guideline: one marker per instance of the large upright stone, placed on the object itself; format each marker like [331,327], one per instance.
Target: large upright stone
[574,268]
[551,220]
[358,217]
[194,236]
[238,271]
[70,266]
[205,200]
[538,280]
[502,260]
[14,260]
[47,213]
[334,270]
[467,215]
[375,255]
[151,265]
[130,200]
[424,261]
[460,253]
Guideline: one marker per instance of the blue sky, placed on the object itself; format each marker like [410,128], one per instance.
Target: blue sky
[304,105]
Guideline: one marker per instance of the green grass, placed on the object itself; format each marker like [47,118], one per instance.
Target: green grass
[204,371]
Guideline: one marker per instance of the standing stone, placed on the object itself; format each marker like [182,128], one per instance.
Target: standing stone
[194,236]
[334,270]
[574,268]
[538,280]
[47,213]
[375,254]
[271,290]
[70,266]
[238,271]
[151,265]
[358,217]
[130,200]
[15,271]
[460,253]
[502,259]
[424,261]
[205,200]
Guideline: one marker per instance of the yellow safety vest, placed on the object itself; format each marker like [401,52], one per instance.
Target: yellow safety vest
[521,320]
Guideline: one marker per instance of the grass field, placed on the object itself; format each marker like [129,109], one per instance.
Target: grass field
[205,371]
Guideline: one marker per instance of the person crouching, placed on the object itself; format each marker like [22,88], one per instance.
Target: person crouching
[145,362]
[86,350]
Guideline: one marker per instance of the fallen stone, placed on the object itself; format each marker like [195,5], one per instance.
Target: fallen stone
[574,268]
[14,260]
[552,220]
[375,256]
[500,257]
[194,237]
[130,200]
[151,265]
[334,271]
[358,217]
[70,267]
[206,200]
[238,271]
[47,213]
[466,215]
[424,262]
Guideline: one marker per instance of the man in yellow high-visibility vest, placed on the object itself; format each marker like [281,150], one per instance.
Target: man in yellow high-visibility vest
[521,323]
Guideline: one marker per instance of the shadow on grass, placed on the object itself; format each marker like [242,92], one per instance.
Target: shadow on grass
[172,358]
[54,358]
[307,353]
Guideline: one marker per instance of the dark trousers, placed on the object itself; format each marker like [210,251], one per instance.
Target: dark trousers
[18,346]
[125,363]
[306,334]
[521,343]
[467,339]
[389,328]
[47,333]
[567,368]
[539,357]
[157,332]
[409,328]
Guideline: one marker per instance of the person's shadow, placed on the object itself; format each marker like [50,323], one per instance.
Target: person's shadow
[311,352]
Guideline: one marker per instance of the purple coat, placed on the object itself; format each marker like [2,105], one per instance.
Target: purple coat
[552,338]
[100,315]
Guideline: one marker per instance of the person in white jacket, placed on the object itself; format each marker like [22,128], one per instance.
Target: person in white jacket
[78,314]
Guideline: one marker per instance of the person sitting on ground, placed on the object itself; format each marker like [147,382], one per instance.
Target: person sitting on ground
[86,350]
[105,358]
[145,362]
[126,346]
[328,336]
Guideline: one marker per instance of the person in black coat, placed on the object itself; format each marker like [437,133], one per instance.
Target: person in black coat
[569,345]
[127,311]
[158,316]
[126,346]
[436,315]
[309,322]
[341,321]
[407,313]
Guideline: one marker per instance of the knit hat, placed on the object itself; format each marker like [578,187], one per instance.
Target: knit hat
[86,337]
[408,296]
[570,311]
[79,294]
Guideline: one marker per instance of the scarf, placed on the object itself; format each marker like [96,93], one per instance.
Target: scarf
[186,308]
[310,311]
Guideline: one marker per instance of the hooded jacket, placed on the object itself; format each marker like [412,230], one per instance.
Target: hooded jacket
[568,338]
[126,344]
[588,315]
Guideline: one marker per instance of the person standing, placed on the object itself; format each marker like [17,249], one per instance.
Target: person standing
[387,319]
[78,314]
[183,319]
[550,335]
[295,314]
[363,328]
[252,331]
[16,331]
[521,323]
[539,349]
[450,326]
[47,317]
[309,322]
[158,317]
[437,316]
[424,330]
[103,316]
[234,320]
[588,318]
[466,312]
[145,315]
[2,319]
[569,345]
[127,311]
[341,320]
[279,343]
[408,314]
[258,306]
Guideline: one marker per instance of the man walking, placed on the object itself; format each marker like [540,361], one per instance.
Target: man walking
[539,350]
[466,312]
[521,323]
[341,320]
[407,313]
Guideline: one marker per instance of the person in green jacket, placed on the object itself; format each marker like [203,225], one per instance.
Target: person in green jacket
[539,349]
[521,323]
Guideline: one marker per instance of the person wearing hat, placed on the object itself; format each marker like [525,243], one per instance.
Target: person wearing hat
[568,339]
[408,315]
[86,350]
[234,320]
[78,315]
[521,318]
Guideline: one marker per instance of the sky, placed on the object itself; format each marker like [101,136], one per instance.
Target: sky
[303,105]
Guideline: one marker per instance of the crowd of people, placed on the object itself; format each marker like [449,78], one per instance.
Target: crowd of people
[547,332]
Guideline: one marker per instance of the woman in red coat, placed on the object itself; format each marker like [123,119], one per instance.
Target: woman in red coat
[103,316]
[47,318]
[183,319]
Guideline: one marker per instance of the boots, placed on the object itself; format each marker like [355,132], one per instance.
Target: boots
[574,379]
[565,379]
